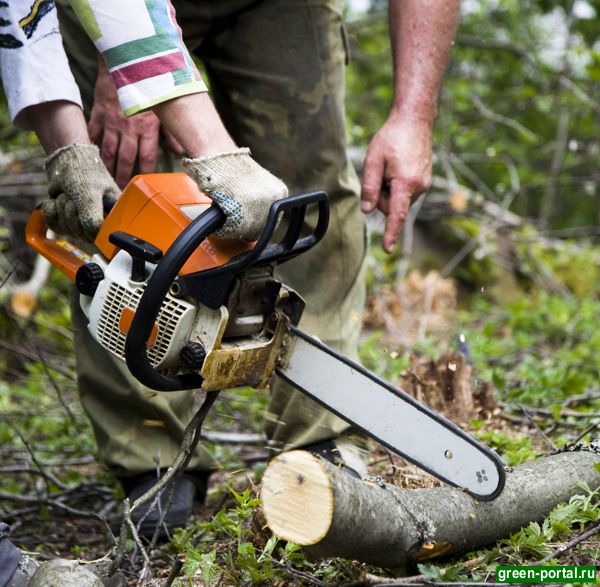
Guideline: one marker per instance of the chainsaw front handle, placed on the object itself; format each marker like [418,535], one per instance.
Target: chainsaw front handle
[211,287]
[214,283]
[151,301]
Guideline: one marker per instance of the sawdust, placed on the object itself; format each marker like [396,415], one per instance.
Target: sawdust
[421,304]
[446,386]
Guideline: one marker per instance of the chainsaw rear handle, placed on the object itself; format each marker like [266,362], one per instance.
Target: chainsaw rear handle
[220,278]
[62,254]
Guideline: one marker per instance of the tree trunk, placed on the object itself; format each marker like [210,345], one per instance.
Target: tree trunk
[310,502]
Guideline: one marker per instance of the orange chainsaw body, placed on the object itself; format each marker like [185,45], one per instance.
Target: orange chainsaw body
[154,207]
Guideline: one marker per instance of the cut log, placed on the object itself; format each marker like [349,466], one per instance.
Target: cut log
[310,502]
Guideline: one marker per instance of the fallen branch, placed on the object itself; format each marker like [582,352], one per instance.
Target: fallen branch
[309,501]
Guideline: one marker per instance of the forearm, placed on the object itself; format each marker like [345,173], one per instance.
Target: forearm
[422,33]
[57,124]
[195,123]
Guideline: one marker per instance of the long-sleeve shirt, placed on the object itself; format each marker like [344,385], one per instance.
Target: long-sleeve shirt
[139,40]
[143,49]
[33,63]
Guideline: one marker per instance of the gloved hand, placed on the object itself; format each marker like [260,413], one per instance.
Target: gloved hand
[77,182]
[240,187]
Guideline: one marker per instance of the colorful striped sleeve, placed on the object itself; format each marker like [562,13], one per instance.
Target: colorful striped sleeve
[143,49]
[33,64]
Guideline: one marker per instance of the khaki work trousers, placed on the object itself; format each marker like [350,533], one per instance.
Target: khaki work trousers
[276,73]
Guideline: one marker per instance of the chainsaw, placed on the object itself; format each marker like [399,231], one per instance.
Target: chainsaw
[188,310]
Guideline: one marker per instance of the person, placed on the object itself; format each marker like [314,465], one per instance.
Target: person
[43,96]
[276,73]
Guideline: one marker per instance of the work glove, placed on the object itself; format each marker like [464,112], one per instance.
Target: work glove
[78,180]
[240,187]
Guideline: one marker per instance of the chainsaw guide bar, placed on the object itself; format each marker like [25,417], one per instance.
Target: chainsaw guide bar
[391,416]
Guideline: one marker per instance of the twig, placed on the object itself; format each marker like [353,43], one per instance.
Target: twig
[37,280]
[8,275]
[420,581]
[594,528]
[538,428]
[23,469]
[233,437]
[53,504]
[503,120]
[592,394]
[134,533]
[174,573]
[49,376]
[548,413]
[29,355]
[67,462]
[371,579]
[59,330]
[296,573]
[47,477]
[191,437]
[589,429]
[558,161]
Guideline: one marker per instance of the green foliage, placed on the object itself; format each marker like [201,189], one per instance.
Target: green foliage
[368,78]
[532,541]
[450,574]
[244,407]
[200,562]
[223,546]
[514,450]
[226,549]
[574,264]
[40,416]
[538,350]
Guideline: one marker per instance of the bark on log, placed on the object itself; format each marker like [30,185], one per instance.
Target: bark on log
[309,501]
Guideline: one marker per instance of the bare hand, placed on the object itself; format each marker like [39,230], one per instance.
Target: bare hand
[397,170]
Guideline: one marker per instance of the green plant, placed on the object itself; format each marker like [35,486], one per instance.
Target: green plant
[514,450]
[533,541]
[224,546]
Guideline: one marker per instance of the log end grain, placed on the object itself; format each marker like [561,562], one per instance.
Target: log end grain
[297,498]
